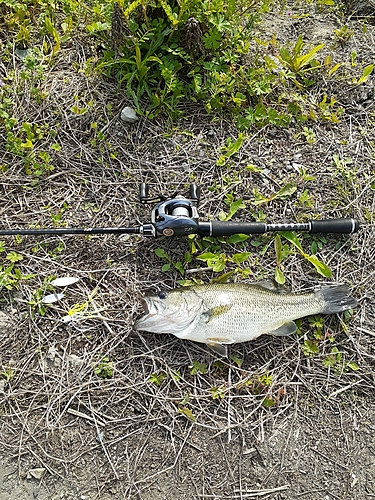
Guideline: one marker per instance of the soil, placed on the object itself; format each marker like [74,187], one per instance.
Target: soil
[153,430]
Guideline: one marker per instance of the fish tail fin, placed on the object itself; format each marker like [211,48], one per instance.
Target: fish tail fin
[337,299]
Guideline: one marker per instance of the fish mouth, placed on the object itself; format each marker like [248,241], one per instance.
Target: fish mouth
[150,312]
[144,304]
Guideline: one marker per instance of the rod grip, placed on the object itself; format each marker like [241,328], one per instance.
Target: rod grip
[336,226]
[227,228]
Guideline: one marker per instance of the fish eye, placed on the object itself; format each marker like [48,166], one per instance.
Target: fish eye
[162,295]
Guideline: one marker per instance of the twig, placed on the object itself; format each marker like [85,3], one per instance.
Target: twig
[83,415]
[347,387]
[261,493]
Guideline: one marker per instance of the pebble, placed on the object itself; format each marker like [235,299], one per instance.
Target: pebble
[129,115]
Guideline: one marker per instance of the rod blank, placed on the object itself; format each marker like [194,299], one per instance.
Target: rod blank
[211,228]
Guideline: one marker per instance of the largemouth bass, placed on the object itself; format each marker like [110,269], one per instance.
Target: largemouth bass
[226,313]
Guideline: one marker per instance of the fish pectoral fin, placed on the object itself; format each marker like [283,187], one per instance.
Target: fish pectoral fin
[219,345]
[285,329]
[215,312]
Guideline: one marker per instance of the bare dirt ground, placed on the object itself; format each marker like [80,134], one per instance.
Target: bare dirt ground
[67,433]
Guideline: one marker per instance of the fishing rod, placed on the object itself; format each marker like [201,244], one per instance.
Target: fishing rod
[178,216]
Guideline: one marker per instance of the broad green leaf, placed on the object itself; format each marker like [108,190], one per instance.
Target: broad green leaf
[230,149]
[282,194]
[353,366]
[188,413]
[234,207]
[322,268]
[285,55]
[237,238]
[285,192]
[224,277]
[278,248]
[207,256]
[180,268]
[27,144]
[292,238]
[298,46]
[238,258]
[166,268]
[160,252]
[217,265]
[14,256]
[307,58]
[268,402]
[279,276]
[366,73]
[187,257]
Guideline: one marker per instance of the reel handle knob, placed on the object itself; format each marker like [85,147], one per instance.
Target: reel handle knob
[143,192]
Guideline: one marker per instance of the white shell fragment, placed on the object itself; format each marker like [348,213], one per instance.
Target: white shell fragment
[37,473]
[66,281]
[53,297]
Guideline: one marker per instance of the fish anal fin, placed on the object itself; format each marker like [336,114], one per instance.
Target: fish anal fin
[287,328]
[219,345]
[216,311]
[220,349]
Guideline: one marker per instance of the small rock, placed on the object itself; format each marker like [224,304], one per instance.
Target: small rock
[22,53]
[75,360]
[129,115]
[37,473]
[6,324]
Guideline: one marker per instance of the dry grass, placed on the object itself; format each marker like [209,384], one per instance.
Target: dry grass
[129,437]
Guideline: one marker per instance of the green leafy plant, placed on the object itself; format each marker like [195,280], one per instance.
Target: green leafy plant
[261,385]
[218,392]
[7,374]
[320,267]
[231,148]
[198,368]
[343,34]
[365,75]
[10,275]
[337,362]
[283,194]
[162,254]
[157,378]
[103,368]
[300,65]
[218,261]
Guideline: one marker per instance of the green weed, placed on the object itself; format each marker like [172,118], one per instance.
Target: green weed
[336,361]
[7,374]
[300,65]
[157,378]
[103,368]
[10,275]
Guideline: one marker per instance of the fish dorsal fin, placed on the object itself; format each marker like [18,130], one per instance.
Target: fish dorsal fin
[273,286]
[214,312]
[285,329]
[219,344]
